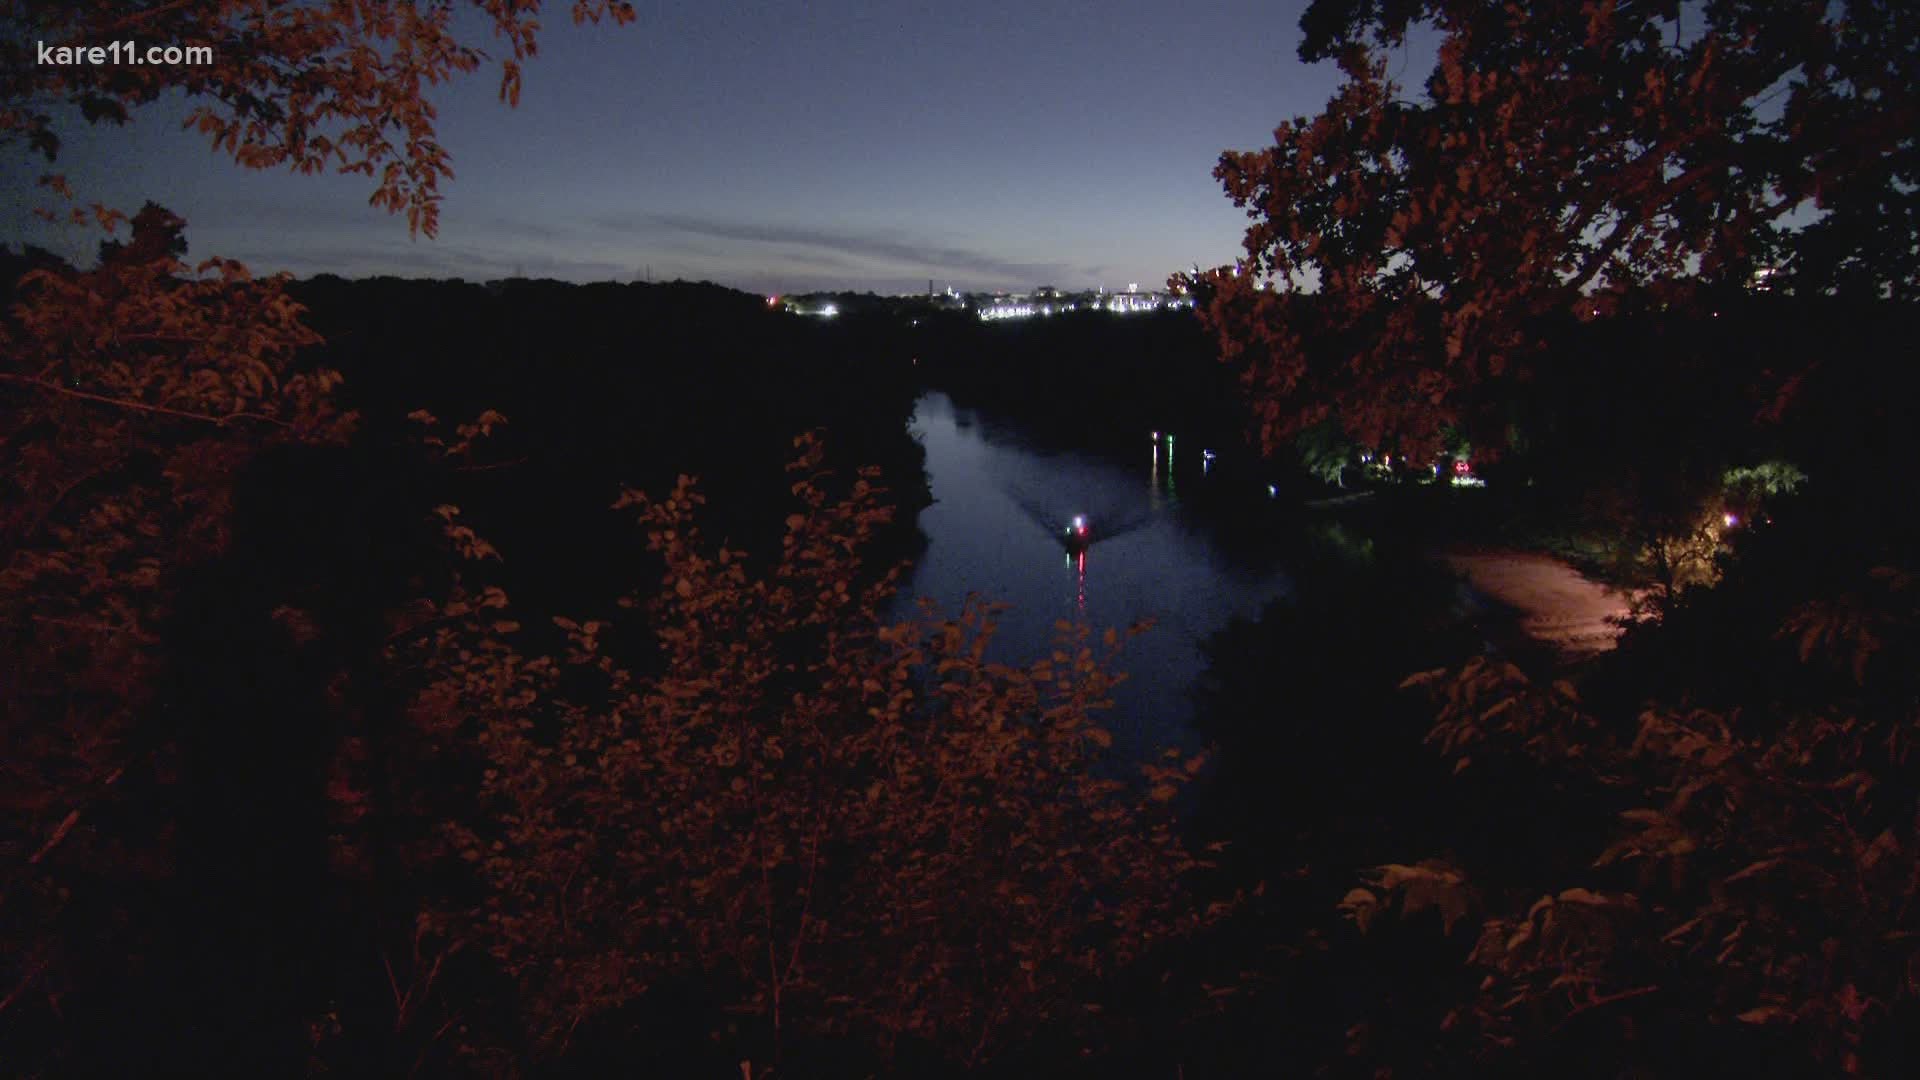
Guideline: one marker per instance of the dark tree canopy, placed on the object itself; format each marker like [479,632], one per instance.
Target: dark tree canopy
[340,84]
[133,397]
[1412,256]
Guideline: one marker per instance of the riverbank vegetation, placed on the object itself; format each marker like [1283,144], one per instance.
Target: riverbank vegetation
[1639,257]
[349,729]
[353,724]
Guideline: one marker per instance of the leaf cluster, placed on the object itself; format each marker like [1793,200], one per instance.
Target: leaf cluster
[131,396]
[862,828]
[1763,872]
[1410,261]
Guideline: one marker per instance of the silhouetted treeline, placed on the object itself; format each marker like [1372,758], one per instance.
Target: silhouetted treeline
[1651,407]
[608,385]
[242,930]
[1088,379]
[265,896]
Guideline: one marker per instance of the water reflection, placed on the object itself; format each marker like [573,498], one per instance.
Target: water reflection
[1001,503]
[1153,481]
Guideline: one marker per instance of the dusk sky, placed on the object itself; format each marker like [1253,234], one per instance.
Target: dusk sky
[782,148]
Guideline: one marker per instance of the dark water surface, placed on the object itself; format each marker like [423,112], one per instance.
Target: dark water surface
[1000,501]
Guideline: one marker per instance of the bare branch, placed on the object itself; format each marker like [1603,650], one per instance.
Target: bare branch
[141,406]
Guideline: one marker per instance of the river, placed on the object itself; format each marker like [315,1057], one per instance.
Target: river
[1000,501]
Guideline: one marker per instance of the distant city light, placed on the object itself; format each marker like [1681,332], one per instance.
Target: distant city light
[1118,303]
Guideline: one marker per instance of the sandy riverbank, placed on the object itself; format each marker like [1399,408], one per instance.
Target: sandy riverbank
[1554,603]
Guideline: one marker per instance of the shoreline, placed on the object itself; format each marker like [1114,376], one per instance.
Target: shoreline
[1543,600]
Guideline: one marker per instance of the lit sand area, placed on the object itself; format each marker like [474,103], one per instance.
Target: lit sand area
[1554,604]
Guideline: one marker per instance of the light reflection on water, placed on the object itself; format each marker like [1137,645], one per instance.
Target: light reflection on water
[1000,505]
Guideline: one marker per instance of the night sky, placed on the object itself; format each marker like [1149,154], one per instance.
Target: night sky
[782,148]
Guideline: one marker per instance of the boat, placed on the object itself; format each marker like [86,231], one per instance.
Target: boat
[1077,536]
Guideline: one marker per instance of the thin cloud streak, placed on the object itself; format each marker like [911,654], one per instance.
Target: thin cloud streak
[435,261]
[880,255]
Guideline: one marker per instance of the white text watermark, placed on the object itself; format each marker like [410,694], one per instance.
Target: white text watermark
[123,52]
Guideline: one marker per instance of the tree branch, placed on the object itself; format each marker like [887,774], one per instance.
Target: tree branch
[21,987]
[1597,259]
[141,406]
[67,823]
[1605,1000]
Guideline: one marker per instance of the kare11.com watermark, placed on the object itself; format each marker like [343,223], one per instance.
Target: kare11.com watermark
[123,52]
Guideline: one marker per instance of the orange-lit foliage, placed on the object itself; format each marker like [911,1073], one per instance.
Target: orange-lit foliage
[869,828]
[339,84]
[1409,260]
[129,396]
[1768,875]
